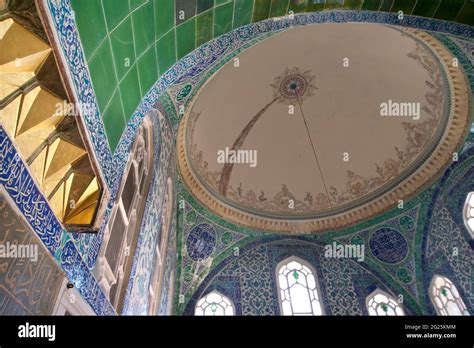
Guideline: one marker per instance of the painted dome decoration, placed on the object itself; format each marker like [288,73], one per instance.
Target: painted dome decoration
[289,154]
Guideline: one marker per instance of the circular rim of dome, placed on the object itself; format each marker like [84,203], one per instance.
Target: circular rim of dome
[452,138]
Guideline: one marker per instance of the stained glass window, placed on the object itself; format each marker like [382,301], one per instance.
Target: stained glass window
[214,303]
[382,304]
[469,213]
[446,298]
[298,289]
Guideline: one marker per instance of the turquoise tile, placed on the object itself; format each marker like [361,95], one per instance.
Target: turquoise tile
[90,23]
[315,5]
[333,4]
[426,8]
[406,6]
[466,15]
[186,37]
[242,13]
[185,9]
[130,92]
[147,70]
[143,22]
[204,5]
[372,5]
[261,10]
[279,8]
[223,19]
[123,48]
[114,121]
[164,16]
[204,27]
[449,9]
[135,3]
[297,6]
[386,5]
[103,75]
[353,4]
[166,51]
[115,12]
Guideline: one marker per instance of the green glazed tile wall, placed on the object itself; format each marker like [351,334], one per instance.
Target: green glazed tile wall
[121,42]
[128,44]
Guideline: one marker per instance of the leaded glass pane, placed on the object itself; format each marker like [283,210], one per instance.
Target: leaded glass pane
[298,289]
[214,304]
[446,298]
[381,303]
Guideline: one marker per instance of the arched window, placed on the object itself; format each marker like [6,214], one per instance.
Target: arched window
[382,304]
[214,303]
[469,213]
[121,234]
[298,289]
[445,297]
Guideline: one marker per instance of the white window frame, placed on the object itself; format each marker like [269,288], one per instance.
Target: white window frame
[317,287]
[391,300]
[106,276]
[441,308]
[468,213]
[224,297]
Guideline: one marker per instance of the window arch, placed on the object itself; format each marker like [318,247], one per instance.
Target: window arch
[115,259]
[379,303]
[298,288]
[468,213]
[445,297]
[214,304]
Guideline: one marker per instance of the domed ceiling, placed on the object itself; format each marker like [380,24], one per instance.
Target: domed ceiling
[321,126]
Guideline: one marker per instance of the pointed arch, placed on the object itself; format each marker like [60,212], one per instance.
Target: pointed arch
[445,297]
[380,303]
[214,304]
[468,213]
[298,289]
[114,263]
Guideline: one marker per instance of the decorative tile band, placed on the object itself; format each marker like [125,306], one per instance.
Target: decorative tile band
[21,187]
[23,190]
[410,183]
